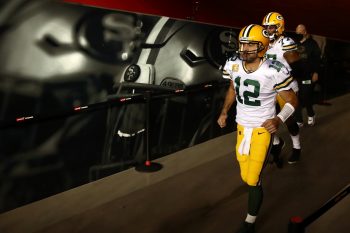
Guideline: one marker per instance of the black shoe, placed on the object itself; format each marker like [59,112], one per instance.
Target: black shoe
[276,152]
[311,120]
[295,156]
[247,228]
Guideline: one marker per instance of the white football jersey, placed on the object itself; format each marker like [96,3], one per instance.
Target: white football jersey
[256,91]
[276,51]
[279,47]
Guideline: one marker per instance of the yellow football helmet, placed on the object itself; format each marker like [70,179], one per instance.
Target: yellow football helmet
[274,19]
[254,33]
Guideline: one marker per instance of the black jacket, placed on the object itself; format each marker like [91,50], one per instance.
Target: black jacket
[310,53]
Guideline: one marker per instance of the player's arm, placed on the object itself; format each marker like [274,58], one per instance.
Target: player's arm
[291,56]
[229,100]
[289,97]
[289,47]
[288,109]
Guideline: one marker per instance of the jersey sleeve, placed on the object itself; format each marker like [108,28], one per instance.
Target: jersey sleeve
[288,44]
[227,70]
[282,77]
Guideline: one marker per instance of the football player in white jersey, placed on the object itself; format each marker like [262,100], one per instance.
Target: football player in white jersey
[284,50]
[255,82]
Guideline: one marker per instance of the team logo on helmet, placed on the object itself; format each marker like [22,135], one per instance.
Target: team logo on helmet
[265,33]
[279,17]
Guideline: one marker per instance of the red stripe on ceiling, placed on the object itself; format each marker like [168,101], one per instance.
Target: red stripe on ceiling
[327,18]
[180,10]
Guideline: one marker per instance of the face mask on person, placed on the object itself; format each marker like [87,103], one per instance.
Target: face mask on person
[298,37]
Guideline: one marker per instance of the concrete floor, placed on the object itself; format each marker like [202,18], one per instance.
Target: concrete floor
[199,190]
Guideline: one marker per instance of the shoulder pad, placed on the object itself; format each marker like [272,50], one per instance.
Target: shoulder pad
[233,57]
[288,44]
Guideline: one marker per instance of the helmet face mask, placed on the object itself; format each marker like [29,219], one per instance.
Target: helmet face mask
[274,24]
[248,51]
[272,31]
[253,42]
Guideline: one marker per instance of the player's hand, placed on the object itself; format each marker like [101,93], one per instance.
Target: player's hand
[271,125]
[222,120]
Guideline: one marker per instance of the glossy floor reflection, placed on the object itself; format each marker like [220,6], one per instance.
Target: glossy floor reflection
[199,190]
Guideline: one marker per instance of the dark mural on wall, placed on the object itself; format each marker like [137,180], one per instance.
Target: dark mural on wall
[57,57]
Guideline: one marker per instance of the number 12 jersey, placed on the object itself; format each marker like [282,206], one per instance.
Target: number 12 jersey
[256,91]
